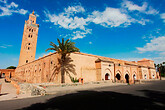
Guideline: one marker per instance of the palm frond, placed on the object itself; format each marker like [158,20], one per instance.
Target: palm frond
[64,47]
[54,45]
[50,49]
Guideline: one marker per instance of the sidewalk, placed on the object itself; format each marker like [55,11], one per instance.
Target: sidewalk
[8,92]
[68,89]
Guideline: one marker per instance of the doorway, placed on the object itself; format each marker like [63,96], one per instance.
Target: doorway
[134,77]
[3,75]
[118,76]
[107,76]
[145,76]
[127,78]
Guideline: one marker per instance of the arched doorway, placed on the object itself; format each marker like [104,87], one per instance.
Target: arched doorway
[127,78]
[153,76]
[107,76]
[10,75]
[3,75]
[118,76]
[145,76]
[134,76]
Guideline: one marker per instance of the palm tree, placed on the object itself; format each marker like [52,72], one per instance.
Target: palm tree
[63,48]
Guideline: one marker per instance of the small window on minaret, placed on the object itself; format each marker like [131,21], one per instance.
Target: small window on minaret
[31,36]
[32,30]
[33,21]
[29,43]
[29,29]
[28,48]
[26,61]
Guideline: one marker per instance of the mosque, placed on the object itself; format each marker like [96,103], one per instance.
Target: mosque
[81,66]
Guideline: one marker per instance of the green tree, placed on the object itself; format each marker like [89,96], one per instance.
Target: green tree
[63,48]
[161,69]
[11,67]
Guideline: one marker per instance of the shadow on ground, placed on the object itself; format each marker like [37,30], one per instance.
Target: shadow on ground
[4,94]
[84,100]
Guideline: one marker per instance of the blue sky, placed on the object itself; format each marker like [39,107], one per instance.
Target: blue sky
[122,29]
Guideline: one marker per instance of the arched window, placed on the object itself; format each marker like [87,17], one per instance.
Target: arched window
[44,65]
[31,36]
[29,43]
[28,48]
[29,29]
[32,30]
[26,61]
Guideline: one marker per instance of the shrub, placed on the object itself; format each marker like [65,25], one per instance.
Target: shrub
[74,80]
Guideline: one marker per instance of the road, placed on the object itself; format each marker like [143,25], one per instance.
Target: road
[150,96]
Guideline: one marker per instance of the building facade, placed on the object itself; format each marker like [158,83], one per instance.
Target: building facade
[7,72]
[78,65]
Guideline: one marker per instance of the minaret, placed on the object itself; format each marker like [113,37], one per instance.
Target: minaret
[29,40]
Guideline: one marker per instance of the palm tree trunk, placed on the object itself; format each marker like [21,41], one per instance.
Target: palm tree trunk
[62,71]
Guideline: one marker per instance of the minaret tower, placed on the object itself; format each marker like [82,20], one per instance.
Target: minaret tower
[29,40]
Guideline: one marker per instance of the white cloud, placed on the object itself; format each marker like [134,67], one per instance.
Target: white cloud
[142,21]
[143,9]
[9,9]
[37,15]
[112,17]
[65,19]
[80,34]
[90,42]
[163,17]
[162,54]
[3,1]
[156,60]
[131,6]
[74,9]
[21,11]
[152,11]
[12,5]
[71,18]
[156,44]
[5,46]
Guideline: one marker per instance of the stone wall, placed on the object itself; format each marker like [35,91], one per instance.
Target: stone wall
[45,69]
[79,65]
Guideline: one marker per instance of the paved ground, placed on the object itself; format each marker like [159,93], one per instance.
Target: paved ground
[8,92]
[150,96]
[69,89]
